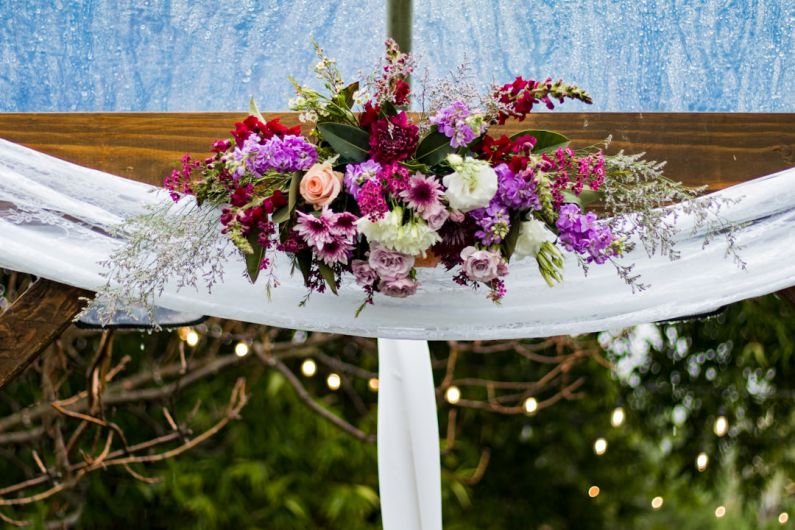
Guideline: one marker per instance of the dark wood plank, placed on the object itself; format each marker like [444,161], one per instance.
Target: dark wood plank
[716,149]
[33,321]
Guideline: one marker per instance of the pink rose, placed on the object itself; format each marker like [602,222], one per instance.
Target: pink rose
[400,288]
[389,264]
[437,216]
[363,273]
[320,185]
[483,265]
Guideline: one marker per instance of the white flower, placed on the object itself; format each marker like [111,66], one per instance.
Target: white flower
[412,238]
[472,185]
[531,235]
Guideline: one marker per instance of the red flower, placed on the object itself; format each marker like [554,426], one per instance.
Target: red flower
[393,139]
[402,91]
[370,114]
[253,125]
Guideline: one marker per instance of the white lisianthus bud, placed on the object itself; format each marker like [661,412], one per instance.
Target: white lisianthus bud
[473,184]
[532,235]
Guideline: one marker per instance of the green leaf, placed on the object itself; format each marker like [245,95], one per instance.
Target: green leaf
[590,196]
[546,141]
[304,261]
[509,243]
[434,148]
[350,142]
[253,260]
[328,275]
[253,110]
[348,92]
[570,198]
[281,215]
[285,212]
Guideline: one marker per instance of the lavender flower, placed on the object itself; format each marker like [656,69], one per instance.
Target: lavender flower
[583,235]
[494,222]
[458,123]
[290,153]
[516,190]
[357,174]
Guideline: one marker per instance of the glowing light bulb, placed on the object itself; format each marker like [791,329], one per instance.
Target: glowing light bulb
[182,333]
[600,446]
[657,503]
[530,405]
[452,395]
[783,517]
[372,384]
[720,511]
[308,368]
[241,349]
[702,461]
[192,338]
[333,381]
[721,426]
[593,491]
[617,418]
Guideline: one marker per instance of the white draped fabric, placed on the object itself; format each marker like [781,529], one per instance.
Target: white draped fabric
[54,222]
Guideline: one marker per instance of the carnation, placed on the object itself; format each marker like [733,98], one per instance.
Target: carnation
[393,138]
[413,238]
[473,184]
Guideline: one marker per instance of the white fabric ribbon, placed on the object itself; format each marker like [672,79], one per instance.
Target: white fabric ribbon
[53,221]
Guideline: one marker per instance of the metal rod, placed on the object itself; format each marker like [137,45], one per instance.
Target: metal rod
[398,22]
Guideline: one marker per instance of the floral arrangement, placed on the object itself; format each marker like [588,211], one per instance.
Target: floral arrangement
[370,190]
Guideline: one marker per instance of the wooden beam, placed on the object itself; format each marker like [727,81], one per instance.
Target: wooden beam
[716,149]
[33,321]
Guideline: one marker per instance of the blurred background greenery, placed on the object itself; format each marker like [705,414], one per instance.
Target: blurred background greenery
[678,425]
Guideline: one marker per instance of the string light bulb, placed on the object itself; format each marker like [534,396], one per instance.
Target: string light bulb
[192,338]
[600,446]
[530,405]
[721,426]
[333,381]
[593,492]
[452,395]
[702,461]
[656,503]
[372,384]
[308,368]
[720,511]
[783,517]
[618,416]
[241,349]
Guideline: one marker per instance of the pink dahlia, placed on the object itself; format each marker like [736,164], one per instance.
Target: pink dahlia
[422,194]
[393,138]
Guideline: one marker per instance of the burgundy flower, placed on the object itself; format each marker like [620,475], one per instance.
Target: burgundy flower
[402,92]
[370,114]
[253,125]
[393,139]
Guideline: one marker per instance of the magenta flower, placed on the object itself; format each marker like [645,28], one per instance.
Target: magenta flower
[393,138]
[422,194]
[336,251]
[343,225]
[315,231]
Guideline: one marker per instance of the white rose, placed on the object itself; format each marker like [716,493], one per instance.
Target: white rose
[473,184]
[531,235]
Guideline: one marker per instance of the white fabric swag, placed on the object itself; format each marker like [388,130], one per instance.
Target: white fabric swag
[55,219]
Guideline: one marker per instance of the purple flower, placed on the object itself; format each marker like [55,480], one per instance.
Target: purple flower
[483,265]
[357,174]
[400,288]
[494,222]
[422,194]
[283,154]
[389,264]
[582,234]
[452,122]
[516,190]
[364,274]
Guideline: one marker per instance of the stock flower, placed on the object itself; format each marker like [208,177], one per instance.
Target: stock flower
[393,138]
[356,175]
[483,265]
[532,235]
[472,185]
[422,194]
[320,185]
[389,264]
[400,288]
[582,234]
[458,123]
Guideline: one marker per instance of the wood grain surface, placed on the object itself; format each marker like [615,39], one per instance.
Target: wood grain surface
[716,149]
[33,321]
